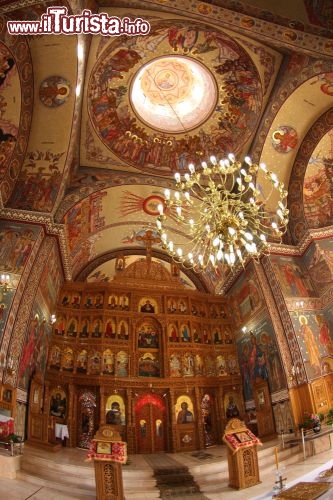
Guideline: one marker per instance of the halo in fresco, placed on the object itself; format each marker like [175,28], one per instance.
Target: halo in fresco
[54,91]
[284,139]
[138,90]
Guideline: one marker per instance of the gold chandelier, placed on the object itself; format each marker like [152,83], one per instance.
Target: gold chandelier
[222,214]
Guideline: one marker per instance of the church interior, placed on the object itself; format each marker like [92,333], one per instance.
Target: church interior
[101,321]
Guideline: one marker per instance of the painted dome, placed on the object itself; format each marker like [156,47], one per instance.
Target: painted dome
[173,94]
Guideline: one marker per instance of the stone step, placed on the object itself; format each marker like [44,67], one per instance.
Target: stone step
[175,481]
[77,478]
[188,481]
[66,474]
[212,482]
[133,489]
[180,488]
[168,470]
[75,491]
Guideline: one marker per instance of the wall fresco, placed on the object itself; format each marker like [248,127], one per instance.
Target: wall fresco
[293,276]
[9,115]
[319,261]
[318,181]
[314,339]
[320,12]
[34,351]
[309,158]
[16,244]
[39,181]
[51,280]
[85,218]
[16,91]
[259,357]
[245,297]
[5,304]
[35,348]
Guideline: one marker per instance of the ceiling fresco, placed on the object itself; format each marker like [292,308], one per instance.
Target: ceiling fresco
[9,115]
[139,99]
[16,100]
[115,118]
[318,185]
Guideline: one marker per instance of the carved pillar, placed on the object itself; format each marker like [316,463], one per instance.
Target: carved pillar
[173,425]
[220,413]
[130,420]
[71,416]
[199,420]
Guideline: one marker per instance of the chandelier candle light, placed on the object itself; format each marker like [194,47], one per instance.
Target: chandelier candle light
[5,283]
[222,213]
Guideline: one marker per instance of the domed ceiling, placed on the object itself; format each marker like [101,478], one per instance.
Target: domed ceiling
[115,117]
[182,92]
[173,94]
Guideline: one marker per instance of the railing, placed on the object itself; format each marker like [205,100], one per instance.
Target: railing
[307,435]
[12,445]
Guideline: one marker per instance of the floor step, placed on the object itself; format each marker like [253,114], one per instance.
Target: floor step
[75,491]
[215,483]
[76,477]
[66,474]
[176,482]
[186,496]
[182,476]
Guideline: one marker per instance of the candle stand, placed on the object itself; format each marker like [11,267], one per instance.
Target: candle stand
[280,483]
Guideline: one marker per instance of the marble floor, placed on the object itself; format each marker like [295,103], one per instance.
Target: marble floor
[299,470]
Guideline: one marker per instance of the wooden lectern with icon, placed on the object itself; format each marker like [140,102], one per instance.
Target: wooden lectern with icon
[109,453]
[242,455]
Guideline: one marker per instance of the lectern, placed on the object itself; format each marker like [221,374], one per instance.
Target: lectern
[109,453]
[242,455]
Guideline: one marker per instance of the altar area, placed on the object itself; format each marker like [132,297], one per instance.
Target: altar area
[208,467]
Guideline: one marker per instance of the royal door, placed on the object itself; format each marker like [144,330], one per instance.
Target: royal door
[151,424]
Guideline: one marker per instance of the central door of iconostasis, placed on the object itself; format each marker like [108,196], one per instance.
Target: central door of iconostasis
[151,424]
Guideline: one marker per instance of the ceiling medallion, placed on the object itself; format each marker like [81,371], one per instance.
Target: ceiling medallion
[173,94]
